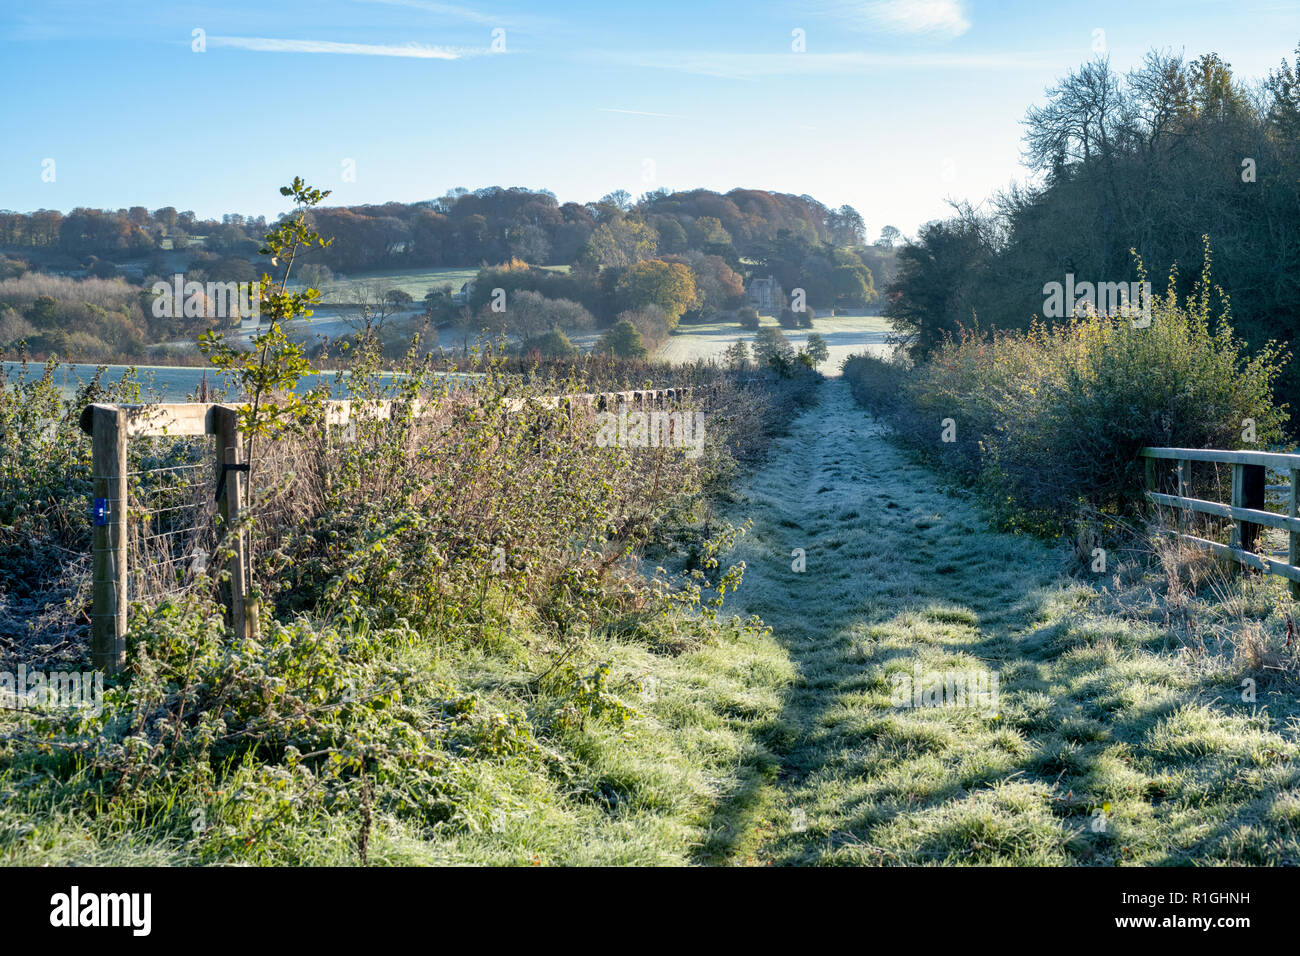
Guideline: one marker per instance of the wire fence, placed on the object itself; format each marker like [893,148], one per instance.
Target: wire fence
[281,480]
[173,528]
[172,511]
[178,506]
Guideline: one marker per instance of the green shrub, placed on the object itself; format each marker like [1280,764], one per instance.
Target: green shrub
[552,344]
[622,340]
[773,349]
[1051,419]
[397,567]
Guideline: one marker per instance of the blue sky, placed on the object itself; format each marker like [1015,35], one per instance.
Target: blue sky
[893,106]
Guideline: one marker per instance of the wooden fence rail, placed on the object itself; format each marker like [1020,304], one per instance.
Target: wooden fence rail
[111,428]
[1246,509]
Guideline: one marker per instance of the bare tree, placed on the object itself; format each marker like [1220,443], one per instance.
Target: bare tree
[1079,120]
[1159,97]
[375,306]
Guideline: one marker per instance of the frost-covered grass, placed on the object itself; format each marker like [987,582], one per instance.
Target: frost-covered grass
[646,792]
[1120,736]
[415,282]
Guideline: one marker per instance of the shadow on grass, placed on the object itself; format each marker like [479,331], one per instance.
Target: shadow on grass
[1094,758]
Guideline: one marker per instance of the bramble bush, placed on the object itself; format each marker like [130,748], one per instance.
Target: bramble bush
[45,490]
[1051,419]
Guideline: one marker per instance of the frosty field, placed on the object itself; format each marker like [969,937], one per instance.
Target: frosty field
[844,335]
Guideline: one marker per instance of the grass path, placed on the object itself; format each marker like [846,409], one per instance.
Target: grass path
[1105,747]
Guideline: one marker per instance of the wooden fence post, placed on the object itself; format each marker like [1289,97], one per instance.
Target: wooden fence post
[109,538]
[230,504]
[1255,493]
[1247,492]
[1247,514]
[1237,500]
[1184,476]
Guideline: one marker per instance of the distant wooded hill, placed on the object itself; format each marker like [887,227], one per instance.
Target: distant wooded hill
[654,261]
[463,228]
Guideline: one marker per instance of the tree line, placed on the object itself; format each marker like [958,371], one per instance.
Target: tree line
[463,227]
[1133,171]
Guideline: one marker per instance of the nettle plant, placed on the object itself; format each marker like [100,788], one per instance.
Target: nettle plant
[269,373]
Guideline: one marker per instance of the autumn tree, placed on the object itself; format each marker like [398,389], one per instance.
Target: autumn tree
[619,243]
[669,285]
[718,286]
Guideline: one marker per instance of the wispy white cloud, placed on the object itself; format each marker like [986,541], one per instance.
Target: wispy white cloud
[942,18]
[274,45]
[458,12]
[611,109]
[444,9]
[754,66]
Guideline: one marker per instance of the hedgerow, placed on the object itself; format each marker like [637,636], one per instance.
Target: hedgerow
[1050,420]
[394,566]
